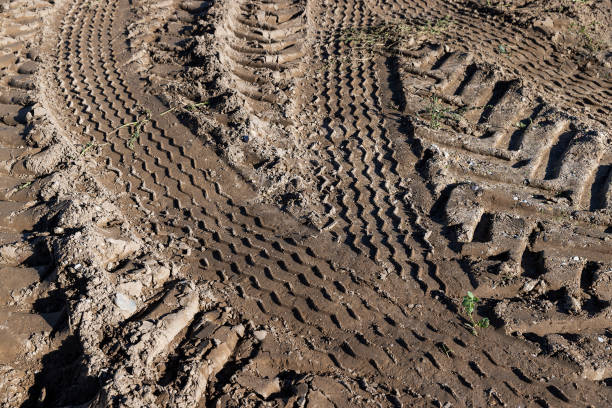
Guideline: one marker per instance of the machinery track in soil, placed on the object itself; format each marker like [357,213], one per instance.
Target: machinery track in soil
[435,171]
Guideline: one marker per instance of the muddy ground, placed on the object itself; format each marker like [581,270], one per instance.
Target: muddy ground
[240,203]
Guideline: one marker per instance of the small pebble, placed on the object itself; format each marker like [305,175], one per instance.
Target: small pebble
[125,303]
[260,334]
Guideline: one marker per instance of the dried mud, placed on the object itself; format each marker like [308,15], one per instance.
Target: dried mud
[283,202]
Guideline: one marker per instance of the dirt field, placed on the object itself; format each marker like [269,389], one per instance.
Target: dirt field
[288,203]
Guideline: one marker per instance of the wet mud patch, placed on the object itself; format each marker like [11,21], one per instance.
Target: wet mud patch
[246,203]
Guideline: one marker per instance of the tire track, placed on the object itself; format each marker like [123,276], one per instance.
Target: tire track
[512,174]
[329,102]
[332,301]
[374,174]
[530,53]
[32,313]
[224,245]
[262,45]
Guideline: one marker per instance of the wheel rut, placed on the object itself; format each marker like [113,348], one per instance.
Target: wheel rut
[262,44]
[511,172]
[275,274]
[31,311]
[433,171]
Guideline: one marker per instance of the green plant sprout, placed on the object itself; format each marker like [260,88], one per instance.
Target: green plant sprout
[24,185]
[135,129]
[86,148]
[444,348]
[469,304]
[438,112]
[502,49]
[523,124]
[588,35]
[436,28]
[137,126]
[89,145]
[374,38]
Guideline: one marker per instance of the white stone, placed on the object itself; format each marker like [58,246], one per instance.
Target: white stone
[124,302]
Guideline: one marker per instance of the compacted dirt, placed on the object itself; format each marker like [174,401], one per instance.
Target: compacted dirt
[284,203]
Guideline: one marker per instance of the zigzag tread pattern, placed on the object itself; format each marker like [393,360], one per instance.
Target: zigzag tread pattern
[342,311]
[165,171]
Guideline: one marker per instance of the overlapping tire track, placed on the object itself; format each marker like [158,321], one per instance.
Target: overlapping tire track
[292,277]
[529,53]
[356,130]
[252,258]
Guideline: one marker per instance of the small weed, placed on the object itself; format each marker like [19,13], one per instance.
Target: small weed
[587,34]
[194,106]
[389,37]
[137,126]
[24,185]
[501,4]
[523,124]
[188,108]
[376,38]
[437,27]
[469,304]
[502,49]
[135,129]
[444,348]
[135,135]
[89,145]
[86,148]
[439,112]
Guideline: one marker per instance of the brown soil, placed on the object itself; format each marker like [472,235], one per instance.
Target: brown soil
[283,203]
